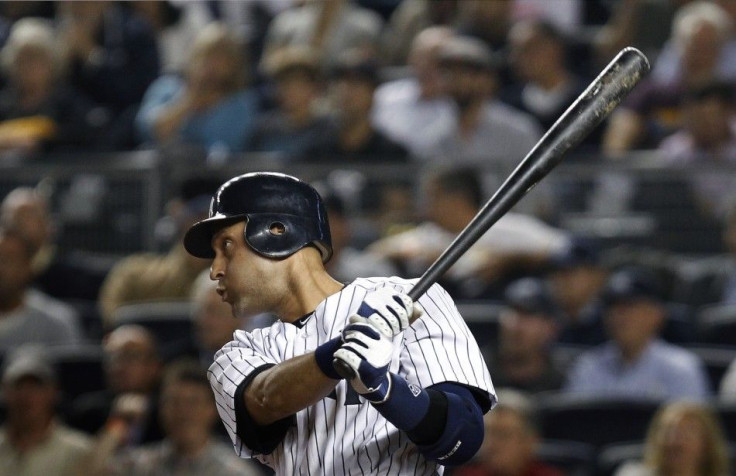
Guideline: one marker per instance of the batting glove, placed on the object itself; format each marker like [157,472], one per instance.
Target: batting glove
[388,311]
[367,351]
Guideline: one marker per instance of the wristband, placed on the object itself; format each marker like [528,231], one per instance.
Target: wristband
[406,405]
[323,355]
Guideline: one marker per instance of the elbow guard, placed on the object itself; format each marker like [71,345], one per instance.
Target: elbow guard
[463,432]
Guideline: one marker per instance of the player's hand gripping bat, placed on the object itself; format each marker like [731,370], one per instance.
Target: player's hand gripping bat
[598,100]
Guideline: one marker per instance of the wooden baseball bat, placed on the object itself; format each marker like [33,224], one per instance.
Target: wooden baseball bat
[593,105]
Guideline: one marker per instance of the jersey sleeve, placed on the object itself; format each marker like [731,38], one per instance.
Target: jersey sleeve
[439,347]
[234,363]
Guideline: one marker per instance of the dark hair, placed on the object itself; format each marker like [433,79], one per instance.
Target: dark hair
[719,90]
[463,181]
[185,370]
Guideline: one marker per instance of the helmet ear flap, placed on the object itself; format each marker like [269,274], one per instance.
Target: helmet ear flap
[276,235]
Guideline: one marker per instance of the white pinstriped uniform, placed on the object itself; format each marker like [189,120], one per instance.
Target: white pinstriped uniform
[331,437]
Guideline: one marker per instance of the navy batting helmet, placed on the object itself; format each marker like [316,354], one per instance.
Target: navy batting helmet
[283,215]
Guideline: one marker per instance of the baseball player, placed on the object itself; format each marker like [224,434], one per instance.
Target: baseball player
[416,401]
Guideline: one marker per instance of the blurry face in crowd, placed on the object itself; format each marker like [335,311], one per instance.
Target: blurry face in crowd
[532,55]
[29,215]
[708,121]
[525,332]
[683,443]
[633,323]
[216,71]
[131,361]
[575,287]
[443,208]
[509,445]
[29,399]
[700,54]
[214,321]
[33,69]
[296,91]
[353,97]
[466,84]
[187,413]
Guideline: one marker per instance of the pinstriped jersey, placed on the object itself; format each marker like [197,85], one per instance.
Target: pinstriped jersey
[343,434]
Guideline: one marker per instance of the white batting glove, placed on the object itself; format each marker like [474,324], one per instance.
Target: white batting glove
[367,352]
[388,310]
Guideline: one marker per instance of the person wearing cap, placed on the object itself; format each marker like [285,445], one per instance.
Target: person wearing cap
[353,82]
[33,441]
[635,362]
[529,323]
[295,123]
[27,315]
[412,110]
[577,276]
[485,131]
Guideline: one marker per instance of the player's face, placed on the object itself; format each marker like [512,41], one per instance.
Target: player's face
[250,283]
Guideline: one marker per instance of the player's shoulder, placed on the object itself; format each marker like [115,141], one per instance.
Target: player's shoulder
[403,285]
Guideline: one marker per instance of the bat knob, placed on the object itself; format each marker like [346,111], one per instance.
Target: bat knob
[343,369]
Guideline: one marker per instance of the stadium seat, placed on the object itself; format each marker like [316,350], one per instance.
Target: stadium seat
[594,420]
[716,359]
[611,457]
[483,319]
[572,457]
[717,324]
[727,414]
[79,368]
[169,321]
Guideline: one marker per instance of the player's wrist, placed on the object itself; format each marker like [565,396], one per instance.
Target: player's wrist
[324,355]
[405,405]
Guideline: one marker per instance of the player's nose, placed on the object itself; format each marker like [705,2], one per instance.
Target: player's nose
[216,270]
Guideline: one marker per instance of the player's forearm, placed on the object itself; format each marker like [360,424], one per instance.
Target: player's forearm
[286,388]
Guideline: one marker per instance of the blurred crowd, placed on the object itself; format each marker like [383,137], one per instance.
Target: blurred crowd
[104,363]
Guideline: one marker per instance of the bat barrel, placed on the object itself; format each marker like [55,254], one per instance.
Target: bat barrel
[598,100]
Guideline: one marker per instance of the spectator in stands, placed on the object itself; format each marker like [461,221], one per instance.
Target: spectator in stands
[517,243]
[684,438]
[188,415]
[353,83]
[671,60]
[147,277]
[635,362]
[60,274]
[707,136]
[29,316]
[33,440]
[654,109]
[330,27]
[414,109]
[408,20]
[511,441]
[485,131]
[175,25]
[295,125]
[39,110]
[529,324]
[133,372]
[577,277]
[545,86]
[644,24]
[727,285]
[209,106]
[113,58]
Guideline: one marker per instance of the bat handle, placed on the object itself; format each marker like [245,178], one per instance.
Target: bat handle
[343,369]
